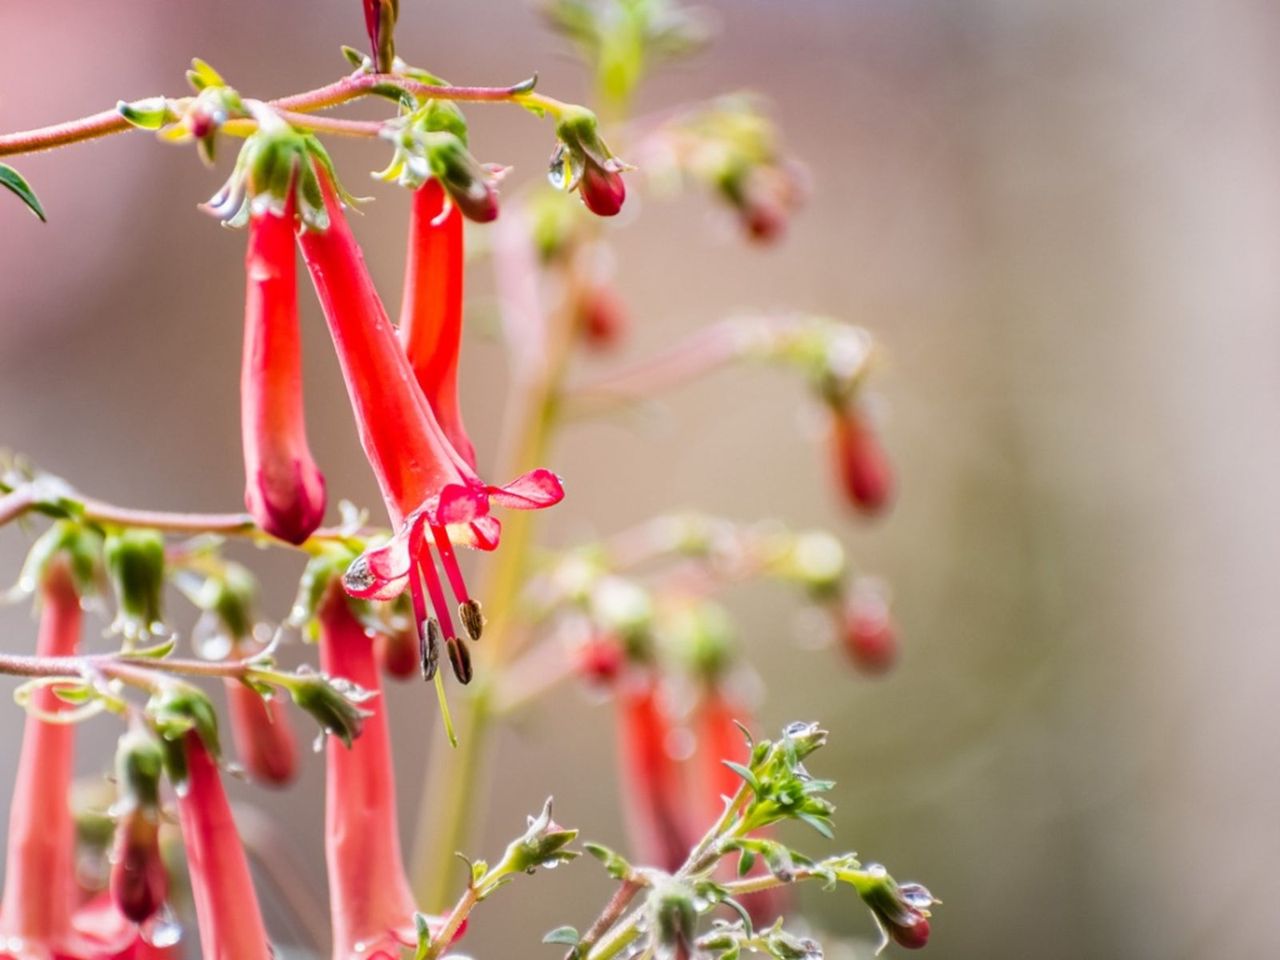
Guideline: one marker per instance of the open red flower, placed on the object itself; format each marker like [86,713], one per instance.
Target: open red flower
[434,496]
[284,489]
[372,906]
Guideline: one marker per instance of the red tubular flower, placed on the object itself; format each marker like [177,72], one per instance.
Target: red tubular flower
[866,629]
[371,904]
[262,735]
[431,312]
[657,818]
[139,879]
[284,489]
[433,495]
[862,467]
[227,910]
[38,919]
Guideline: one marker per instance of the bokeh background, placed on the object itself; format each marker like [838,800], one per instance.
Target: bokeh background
[1063,222]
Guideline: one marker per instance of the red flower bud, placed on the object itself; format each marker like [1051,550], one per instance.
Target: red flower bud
[262,735]
[284,489]
[867,630]
[600,660]
[862,467]
[139,880]
[397,652]
[602,318]
[602,190]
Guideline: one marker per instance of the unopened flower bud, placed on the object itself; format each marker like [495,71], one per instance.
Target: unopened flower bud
[602,189]
[139,879]
[861,464]
[135,564]
[902,912]
[602,318]
[600,659]
[583,162]
[867,630]
[543,844]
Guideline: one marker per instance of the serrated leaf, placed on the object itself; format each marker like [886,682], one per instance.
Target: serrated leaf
[566,935]
[14,181]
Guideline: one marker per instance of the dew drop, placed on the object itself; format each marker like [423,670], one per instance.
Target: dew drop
[163,929]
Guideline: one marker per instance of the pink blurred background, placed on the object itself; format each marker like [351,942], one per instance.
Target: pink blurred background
[1063,223]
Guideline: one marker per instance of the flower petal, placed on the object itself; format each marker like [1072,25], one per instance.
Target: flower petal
[482,533]
[533,491]
[381,573]
[459,504]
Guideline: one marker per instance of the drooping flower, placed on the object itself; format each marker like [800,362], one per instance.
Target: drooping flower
[371,904]
[39,918]
[901,911]
[656,808]
[861,465]
[434,496]
[227,910]
[866,627]
[431,311]
[583,162]
[139,880]
[262,735]
[284,489]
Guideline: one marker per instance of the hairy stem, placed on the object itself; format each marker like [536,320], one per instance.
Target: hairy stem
[349,88]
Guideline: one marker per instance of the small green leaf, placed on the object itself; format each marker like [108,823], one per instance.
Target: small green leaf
[13,180]
[569,936]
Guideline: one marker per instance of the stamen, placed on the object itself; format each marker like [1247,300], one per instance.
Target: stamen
[426,656]
[449,560]
[425,563]
[472,618]
[468,610]
[431,650]
[460,658]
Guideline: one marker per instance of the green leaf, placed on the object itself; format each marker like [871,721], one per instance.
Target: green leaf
[13,180]
[569,936]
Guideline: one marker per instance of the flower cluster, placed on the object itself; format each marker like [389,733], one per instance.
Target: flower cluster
[640,616]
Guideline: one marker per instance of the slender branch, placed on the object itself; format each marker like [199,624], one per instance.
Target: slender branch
[442,940]
[98,511]
[615,908]
[121,667]
[61,134]
[703,352]
[349,88]
[15,503]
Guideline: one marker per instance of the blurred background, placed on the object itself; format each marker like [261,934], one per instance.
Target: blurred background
[1061,220]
